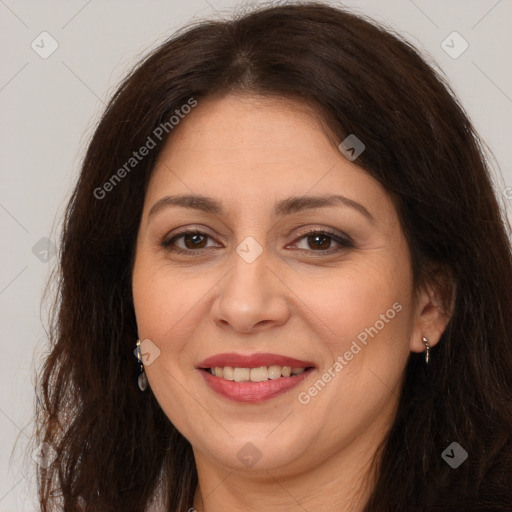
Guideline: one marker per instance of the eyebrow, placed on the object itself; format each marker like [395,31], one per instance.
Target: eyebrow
[284,207]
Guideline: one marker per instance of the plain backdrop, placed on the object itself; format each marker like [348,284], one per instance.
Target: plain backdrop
[49,107]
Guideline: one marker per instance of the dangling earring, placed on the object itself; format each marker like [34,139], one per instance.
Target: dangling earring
[142,380]
[427,351]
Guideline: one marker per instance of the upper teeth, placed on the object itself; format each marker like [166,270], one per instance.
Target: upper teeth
[255,374]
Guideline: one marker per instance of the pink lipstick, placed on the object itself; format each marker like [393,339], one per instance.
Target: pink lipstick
[253,377]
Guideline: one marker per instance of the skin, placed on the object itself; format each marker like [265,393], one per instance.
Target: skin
[299,298]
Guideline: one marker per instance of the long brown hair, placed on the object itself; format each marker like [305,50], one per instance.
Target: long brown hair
[115,447]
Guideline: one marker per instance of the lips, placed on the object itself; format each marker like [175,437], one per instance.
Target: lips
[252,361]
[250,391]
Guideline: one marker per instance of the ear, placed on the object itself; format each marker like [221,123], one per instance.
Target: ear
[434,306]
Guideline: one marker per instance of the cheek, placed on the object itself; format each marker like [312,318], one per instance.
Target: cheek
[169,304]
[356,299]
[363,318]
[364,326]
[160,299]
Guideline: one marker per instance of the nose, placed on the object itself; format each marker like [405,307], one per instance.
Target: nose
[251,298]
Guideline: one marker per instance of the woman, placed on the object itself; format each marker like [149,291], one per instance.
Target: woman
[287,218]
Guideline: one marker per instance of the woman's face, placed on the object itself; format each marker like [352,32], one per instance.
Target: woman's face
[254,287]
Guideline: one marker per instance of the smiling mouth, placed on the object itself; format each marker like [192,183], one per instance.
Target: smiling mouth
[259,374]
[253,378]
[255,384]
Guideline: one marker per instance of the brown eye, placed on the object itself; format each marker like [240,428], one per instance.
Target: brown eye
[194,241]
[187,242]
[319,241]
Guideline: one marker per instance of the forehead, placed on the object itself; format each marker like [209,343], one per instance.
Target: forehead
[250,147]
[241,125]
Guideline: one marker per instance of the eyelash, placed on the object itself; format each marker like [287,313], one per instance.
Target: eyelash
[344,243]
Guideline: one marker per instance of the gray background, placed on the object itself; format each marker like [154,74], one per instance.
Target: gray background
[50,106]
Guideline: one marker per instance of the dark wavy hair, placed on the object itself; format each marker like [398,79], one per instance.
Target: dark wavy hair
[116,449]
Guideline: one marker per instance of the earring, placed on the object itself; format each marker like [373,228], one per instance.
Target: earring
[427,351]
[142,380]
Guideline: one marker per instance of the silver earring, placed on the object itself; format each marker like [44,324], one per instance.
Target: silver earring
[427,351]
[142,380]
